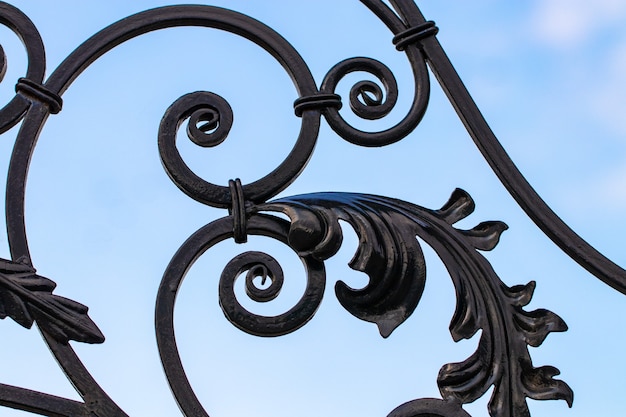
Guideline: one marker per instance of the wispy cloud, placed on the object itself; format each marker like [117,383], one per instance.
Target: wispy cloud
[567,23]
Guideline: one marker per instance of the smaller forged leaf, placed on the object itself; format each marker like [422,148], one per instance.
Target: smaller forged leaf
[68,321]
[465,322]
[520,295]
[485,301]
[537,324]
[459,206]
[26,296]
[467,380]
[541,385]
[392,258]
[486,235]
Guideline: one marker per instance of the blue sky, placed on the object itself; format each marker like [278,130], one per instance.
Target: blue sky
[103,219]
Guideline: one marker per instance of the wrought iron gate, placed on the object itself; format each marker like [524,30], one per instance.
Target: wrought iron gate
[309,225]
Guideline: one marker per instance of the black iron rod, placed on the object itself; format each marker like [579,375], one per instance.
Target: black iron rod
[512,179]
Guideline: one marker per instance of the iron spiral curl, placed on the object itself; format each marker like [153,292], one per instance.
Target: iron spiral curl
[209,120]
[256,264]
[259,264]
[370,102]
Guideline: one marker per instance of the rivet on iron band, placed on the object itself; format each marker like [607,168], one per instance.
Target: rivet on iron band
[238,211]
[316,101]
[39,93]
[415,34]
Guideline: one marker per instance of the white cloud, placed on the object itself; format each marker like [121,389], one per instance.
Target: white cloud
[567,23]
[590,42]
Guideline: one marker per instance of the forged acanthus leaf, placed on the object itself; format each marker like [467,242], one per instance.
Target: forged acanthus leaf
[387,252]
[68,321]
[393,260]
[506,366]
[27,297]
[391,256]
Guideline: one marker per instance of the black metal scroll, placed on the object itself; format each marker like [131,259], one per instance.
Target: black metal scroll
[388,251]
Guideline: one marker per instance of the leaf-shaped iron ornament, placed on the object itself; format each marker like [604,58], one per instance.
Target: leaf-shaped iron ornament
[388,251]
[27,297]
[390,255]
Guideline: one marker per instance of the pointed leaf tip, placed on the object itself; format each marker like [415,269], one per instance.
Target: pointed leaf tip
[386,327]
[542,386]
[520,295]
[486,235]
[459,206]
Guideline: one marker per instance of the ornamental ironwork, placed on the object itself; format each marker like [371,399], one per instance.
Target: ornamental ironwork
[388,251]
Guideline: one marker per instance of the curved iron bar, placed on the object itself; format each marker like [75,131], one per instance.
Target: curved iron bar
[500,162]
[40,403]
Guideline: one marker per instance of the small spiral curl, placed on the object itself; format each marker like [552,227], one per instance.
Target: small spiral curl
[361,102]
[211,120]
[366,100]
[369,101]
[264,266]
[258,265]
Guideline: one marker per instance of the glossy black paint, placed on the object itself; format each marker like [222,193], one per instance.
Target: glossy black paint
[387,228]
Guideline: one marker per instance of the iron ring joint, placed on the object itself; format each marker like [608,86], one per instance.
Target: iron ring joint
[316,101]
[414,35]
[238,211]
[38,92]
